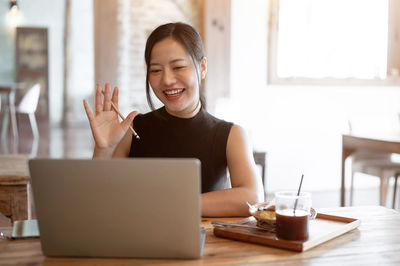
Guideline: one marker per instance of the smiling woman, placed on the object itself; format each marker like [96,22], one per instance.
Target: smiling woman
[182,128]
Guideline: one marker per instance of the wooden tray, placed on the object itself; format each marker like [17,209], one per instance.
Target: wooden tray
[323,228]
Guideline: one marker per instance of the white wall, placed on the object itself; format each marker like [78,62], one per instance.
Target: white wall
[299,126]
[81,73]
[7,60]
[49,14]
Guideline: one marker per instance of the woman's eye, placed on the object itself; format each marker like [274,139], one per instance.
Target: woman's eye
[179,67]
[155,71]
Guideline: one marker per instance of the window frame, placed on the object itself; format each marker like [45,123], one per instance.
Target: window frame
[393,54]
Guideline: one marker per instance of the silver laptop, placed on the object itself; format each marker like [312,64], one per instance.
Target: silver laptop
[146,208]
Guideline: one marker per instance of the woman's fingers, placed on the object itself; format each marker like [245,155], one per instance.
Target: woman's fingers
[98,101]
[88,111]
[114,98]
[107,98]
[105,105]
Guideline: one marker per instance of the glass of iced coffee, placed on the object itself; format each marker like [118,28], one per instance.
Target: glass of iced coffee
[292,215]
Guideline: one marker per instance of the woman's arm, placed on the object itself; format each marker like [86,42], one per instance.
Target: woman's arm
[245,180]
[124,146]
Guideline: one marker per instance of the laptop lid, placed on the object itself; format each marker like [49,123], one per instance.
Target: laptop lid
[119,207]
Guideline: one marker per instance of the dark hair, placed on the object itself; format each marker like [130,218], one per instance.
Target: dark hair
[185,35]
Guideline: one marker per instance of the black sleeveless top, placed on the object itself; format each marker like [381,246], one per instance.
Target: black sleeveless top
[203,137]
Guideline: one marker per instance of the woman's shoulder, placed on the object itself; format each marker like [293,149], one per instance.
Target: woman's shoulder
[147,120]
[238,136]
[238,131]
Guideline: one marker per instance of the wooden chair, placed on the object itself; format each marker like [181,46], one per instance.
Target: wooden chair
[375,164]
[260,159]
[395,189]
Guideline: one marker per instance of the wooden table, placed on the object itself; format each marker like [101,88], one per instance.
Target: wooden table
[14,180]
[351,144]
[376,241]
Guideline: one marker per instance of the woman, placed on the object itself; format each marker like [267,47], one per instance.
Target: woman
[176,64]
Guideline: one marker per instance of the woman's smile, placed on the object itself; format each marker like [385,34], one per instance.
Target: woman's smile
[173,94]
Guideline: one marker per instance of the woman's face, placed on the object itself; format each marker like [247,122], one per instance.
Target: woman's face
[173,78]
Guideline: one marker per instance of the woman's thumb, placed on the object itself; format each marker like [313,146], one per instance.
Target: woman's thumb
[129,119]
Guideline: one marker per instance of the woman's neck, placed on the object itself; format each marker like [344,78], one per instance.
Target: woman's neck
[188,114]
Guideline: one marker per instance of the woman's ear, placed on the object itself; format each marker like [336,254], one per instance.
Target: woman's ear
[203,67]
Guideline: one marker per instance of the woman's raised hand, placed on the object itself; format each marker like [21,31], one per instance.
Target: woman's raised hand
[106,129]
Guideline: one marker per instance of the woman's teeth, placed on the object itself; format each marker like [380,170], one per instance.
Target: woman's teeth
[173,92]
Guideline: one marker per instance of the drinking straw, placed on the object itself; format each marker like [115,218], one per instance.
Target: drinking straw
[298,194]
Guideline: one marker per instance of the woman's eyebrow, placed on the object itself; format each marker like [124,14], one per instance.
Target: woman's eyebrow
[170,62]
[176,60]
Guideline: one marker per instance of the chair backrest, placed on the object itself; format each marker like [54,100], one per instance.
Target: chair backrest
[30,100]
[260,159]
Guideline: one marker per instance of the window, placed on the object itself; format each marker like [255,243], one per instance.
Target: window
[334,41]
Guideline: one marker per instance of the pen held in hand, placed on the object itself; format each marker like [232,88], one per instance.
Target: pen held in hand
[123,118]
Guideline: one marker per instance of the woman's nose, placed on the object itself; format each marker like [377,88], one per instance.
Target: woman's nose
[168,77]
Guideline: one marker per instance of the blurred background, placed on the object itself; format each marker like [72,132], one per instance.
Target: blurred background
[297,74]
